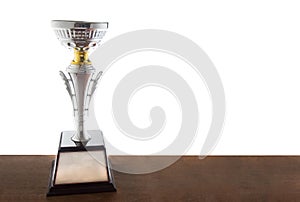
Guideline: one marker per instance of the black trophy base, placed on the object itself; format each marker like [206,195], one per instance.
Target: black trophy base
[80,169]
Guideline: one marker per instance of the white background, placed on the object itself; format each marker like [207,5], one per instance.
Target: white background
[255,46]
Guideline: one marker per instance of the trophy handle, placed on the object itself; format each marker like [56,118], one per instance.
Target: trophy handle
[69,89]
[92,88]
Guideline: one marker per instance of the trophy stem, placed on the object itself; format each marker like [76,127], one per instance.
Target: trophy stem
[81,76]
[80,57]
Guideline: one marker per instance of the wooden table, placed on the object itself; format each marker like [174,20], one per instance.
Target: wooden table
[216,178]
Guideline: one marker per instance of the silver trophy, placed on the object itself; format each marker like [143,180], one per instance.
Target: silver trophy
[81,165]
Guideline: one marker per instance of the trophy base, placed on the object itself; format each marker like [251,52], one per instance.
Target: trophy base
[80,169]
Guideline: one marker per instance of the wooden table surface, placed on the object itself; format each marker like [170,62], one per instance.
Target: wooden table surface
[216,178]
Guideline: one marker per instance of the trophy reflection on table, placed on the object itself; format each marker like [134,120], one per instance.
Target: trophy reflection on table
[81,165]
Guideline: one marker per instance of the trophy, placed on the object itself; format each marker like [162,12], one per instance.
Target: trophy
[81,165]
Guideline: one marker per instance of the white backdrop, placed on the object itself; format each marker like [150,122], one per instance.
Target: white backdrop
[255,46]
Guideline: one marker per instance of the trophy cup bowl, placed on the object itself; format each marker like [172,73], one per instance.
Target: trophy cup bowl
[79,34]
[81,165]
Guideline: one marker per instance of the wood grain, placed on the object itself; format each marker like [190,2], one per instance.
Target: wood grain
[216,178]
